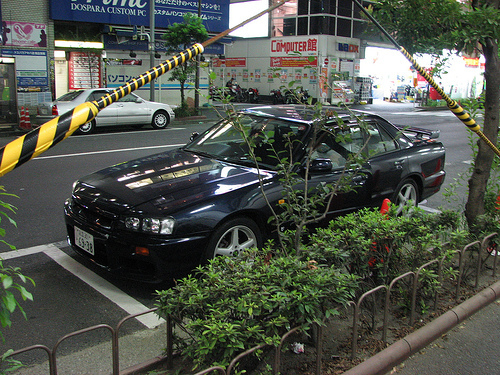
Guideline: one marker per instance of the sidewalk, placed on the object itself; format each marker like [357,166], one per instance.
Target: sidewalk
[470,349]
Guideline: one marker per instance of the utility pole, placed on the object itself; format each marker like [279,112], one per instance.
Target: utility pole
[197,73]
[152,46]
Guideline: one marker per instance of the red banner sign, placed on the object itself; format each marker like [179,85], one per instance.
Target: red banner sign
[230,62]
[84,70]
[294,62]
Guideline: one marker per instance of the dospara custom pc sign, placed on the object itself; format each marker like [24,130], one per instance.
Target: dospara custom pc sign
[215,13]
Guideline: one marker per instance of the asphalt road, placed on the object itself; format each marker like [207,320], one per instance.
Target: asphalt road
[70,294]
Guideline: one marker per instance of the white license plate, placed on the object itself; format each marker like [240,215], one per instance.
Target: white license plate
[84,240]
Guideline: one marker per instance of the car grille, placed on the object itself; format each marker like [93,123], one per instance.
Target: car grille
[99,218]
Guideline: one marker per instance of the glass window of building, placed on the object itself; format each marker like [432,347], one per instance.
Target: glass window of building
[344,27]
[344,8]
[284,18]
[311,17]
[303,26]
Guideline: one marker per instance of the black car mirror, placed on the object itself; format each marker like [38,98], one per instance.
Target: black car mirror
[320,165]
[194,135]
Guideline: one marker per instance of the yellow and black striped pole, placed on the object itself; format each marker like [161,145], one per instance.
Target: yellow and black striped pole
[52,132]
[457,110]
[41,139]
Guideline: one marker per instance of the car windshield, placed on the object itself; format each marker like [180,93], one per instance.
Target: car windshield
[245,139]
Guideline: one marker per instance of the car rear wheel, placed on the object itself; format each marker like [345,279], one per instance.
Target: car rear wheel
[233,236]
[406,195]
[160,120]
[87,128]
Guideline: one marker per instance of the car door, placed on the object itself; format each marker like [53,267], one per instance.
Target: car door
[340,148]
[132,110]
[107,115]
[387,162]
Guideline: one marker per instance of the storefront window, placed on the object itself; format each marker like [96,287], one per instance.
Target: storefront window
[8,104]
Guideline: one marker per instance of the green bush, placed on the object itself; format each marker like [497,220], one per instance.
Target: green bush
[12,282]
[380,247]
[184,111]
[234,304]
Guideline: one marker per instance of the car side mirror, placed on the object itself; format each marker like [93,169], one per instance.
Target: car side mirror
[194,135]
[138,100]
[320,166]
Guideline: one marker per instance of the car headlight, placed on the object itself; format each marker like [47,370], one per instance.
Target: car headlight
[151,225]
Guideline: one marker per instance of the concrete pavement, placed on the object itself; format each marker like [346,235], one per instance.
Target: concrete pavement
[472,348]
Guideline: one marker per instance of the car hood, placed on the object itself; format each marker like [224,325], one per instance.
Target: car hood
[163,182]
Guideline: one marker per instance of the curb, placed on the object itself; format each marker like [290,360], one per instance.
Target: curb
[384,361]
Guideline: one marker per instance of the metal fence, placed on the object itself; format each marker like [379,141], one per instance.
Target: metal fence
[480,253]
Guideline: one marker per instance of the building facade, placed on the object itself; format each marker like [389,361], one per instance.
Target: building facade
[313,44]
[50,47]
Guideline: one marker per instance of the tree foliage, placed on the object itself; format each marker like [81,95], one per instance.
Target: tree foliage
[181,36]
[429,26]
[12,282]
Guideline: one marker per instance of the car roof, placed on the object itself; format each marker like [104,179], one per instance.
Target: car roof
[303,113]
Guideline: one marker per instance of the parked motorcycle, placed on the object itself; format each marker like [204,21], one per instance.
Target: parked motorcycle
[252,95]
[302,95]
[277,96]
[235,90]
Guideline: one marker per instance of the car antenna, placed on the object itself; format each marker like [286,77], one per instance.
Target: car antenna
[39,140]
[457,110]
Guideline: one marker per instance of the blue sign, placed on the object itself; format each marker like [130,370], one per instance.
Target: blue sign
[215,13]
[114,42]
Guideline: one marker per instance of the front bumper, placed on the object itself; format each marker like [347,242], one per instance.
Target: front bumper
[115,251]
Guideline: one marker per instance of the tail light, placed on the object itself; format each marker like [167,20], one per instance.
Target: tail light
[55,112]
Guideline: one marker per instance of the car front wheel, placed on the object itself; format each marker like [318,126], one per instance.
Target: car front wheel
[87,128]
[406,195]
[234,236]
[160,120]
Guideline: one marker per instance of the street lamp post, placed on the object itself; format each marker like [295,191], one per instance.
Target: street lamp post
[152,46]
[197,73]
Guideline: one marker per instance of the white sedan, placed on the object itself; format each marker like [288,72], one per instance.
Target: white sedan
[129,110]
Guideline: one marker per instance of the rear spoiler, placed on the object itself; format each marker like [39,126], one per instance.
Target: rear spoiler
[419,133]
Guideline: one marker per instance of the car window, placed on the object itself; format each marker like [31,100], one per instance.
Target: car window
[69,96]
[96,95]
[269,138]
[378,140]
[128,98]
[368,140]
[339,145]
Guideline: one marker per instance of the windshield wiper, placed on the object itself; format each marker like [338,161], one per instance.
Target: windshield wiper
[200,153]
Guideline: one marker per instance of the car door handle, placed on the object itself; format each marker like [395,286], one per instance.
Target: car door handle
[359,179]
[399,163]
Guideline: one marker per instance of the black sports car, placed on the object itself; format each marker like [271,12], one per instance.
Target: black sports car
[158,217]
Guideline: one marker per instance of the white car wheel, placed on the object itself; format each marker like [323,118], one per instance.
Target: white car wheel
[233,237]
[160,120]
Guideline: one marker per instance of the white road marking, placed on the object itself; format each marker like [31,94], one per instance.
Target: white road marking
[108,290]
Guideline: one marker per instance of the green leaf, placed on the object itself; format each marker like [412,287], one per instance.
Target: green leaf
[7,281]
[10,301]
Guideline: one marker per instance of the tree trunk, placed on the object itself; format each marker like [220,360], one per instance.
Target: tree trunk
[183,100]
[484,158]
